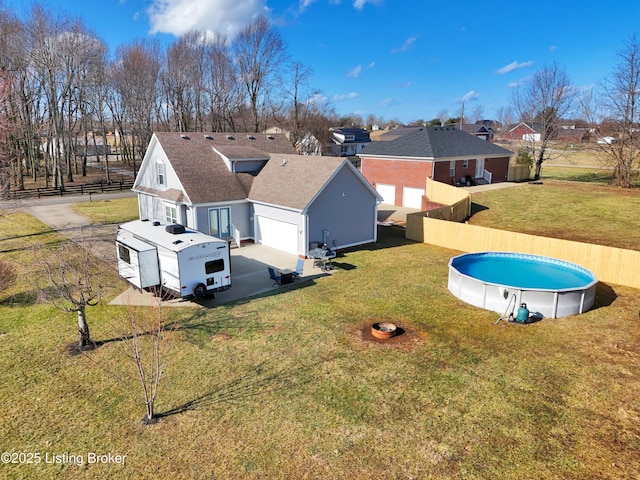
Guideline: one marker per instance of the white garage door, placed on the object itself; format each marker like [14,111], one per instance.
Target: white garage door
[412,197]
[387,192]
[278,234]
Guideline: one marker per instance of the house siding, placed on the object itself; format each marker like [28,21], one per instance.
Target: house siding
[345,209]
[398,172]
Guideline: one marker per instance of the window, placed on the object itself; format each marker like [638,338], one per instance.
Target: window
[214,266]
[124,254]
[452,168]
[465,164]
[160,173]
[171,213]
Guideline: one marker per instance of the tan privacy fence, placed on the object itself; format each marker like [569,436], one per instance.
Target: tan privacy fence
[609,264]
[456,201]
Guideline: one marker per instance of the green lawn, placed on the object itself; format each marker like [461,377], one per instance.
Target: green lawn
[288,386]
[104,212]
[570,210]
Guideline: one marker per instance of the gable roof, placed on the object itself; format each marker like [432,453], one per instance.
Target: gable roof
[202,172]
[293,180]
[435,143]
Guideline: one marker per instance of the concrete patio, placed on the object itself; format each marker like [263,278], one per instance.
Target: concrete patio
[249,277]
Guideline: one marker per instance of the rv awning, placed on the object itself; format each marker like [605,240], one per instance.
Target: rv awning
[136,245]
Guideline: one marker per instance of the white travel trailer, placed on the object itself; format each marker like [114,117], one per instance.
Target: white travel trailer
[183,262]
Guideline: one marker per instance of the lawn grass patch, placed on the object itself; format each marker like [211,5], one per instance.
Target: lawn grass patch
[106,212]
[568,210]
[282,386]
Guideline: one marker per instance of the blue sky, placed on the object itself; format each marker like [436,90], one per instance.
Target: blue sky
[397,59]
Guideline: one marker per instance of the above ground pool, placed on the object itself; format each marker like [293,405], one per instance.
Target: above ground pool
[500,281]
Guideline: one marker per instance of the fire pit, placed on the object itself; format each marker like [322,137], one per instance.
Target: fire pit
[383,330]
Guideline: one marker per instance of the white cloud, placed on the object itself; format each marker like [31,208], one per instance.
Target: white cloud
[406,45]
[470,96]
[517,83]
[216,17]
[371,65]
[513,66]
[355,73]
[553,48]
[359,4]
[337,98]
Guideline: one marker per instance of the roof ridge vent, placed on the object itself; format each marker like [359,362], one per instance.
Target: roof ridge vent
[230,137]
[208,137]
[184,136]
[271,137]
[251,137]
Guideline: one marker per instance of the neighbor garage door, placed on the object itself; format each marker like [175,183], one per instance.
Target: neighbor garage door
[412,197]
[277,234]
[387,192]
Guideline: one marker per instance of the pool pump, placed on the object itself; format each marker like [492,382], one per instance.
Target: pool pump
[523,313]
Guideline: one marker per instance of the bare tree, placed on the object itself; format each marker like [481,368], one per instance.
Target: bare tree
[621,101]
[259,52]
[505,116]
[135,75]
[183,83]
[222,85]
[477,113]
[443,116]
[545,99]
[72,278]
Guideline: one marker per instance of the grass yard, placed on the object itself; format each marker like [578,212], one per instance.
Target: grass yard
[288,385]
[103,212]
[569,210]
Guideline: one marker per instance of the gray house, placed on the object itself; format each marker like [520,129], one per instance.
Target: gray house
[253,187]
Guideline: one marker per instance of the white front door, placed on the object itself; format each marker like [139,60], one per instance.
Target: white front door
[479,167]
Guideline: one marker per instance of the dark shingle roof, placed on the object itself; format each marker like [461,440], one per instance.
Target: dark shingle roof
[203,174]
[435,143]
[293,180]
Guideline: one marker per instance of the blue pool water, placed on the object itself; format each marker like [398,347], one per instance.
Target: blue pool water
[523,271]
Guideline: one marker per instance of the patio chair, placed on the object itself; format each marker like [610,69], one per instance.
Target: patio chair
[299,266]
[277,279]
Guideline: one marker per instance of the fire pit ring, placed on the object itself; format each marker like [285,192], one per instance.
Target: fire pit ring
[383,330]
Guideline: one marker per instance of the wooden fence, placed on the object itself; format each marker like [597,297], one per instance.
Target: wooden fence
[609,264]
[456,206]
[70,189]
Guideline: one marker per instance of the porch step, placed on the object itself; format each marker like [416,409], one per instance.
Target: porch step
[232,244]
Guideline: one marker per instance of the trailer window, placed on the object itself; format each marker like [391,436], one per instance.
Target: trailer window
[214,266]
[124,254]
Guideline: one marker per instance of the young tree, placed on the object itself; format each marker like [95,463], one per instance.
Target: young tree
[621,101]
[546,98]
[72,278]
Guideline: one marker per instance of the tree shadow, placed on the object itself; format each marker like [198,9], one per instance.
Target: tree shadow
[261,379]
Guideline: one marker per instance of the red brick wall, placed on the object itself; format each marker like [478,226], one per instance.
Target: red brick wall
[499,168]
[401,173]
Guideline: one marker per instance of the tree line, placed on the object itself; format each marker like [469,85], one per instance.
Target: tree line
[60,89]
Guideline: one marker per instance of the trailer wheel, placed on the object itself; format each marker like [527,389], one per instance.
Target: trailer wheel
[199,290]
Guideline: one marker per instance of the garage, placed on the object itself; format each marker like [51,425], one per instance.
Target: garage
[412,197]
[387,192]
[277,234]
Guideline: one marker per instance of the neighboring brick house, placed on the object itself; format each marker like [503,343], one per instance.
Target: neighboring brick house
[398,168]
[524,131]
